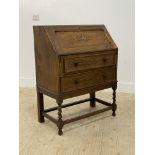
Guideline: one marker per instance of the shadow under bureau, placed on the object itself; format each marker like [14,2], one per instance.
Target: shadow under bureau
[73,60]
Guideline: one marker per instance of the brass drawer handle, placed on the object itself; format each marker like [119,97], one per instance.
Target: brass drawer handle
[76,64]
[76,82]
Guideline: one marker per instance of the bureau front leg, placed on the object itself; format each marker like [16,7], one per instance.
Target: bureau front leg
[60,122]
[92,99]
[40,106]
[114,105]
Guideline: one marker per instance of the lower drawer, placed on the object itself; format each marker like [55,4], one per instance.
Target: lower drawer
[87,79]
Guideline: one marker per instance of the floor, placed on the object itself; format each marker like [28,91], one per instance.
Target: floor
[97,135]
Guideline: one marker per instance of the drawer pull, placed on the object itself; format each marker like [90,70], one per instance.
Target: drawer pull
[104,60]
[76,64]
[76,82]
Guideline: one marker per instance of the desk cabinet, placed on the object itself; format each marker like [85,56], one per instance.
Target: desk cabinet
[72,61]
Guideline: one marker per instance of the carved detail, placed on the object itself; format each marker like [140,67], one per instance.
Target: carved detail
[114,105]
[60,122]
[79,37]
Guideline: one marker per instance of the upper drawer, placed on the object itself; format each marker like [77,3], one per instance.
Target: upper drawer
[90,61]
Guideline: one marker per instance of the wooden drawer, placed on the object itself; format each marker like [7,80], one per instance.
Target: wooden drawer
[72,64]
[87,79]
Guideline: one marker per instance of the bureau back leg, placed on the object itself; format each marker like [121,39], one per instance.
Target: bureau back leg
[92,101]
[114,105]
[40,106]
[60,122]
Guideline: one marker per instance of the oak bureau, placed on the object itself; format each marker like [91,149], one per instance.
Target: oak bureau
[73,60]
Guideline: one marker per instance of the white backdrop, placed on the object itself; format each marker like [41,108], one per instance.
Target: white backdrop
[117,16]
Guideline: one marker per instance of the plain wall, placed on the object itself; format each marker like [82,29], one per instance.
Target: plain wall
[117,16]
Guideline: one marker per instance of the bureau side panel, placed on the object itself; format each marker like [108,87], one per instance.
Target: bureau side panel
[46,61]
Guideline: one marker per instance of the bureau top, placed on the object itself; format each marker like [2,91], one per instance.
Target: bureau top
[74,39]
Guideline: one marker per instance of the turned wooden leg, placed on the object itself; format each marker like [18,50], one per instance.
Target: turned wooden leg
[40,106]
[92,101]
[60,122]
[114,105]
